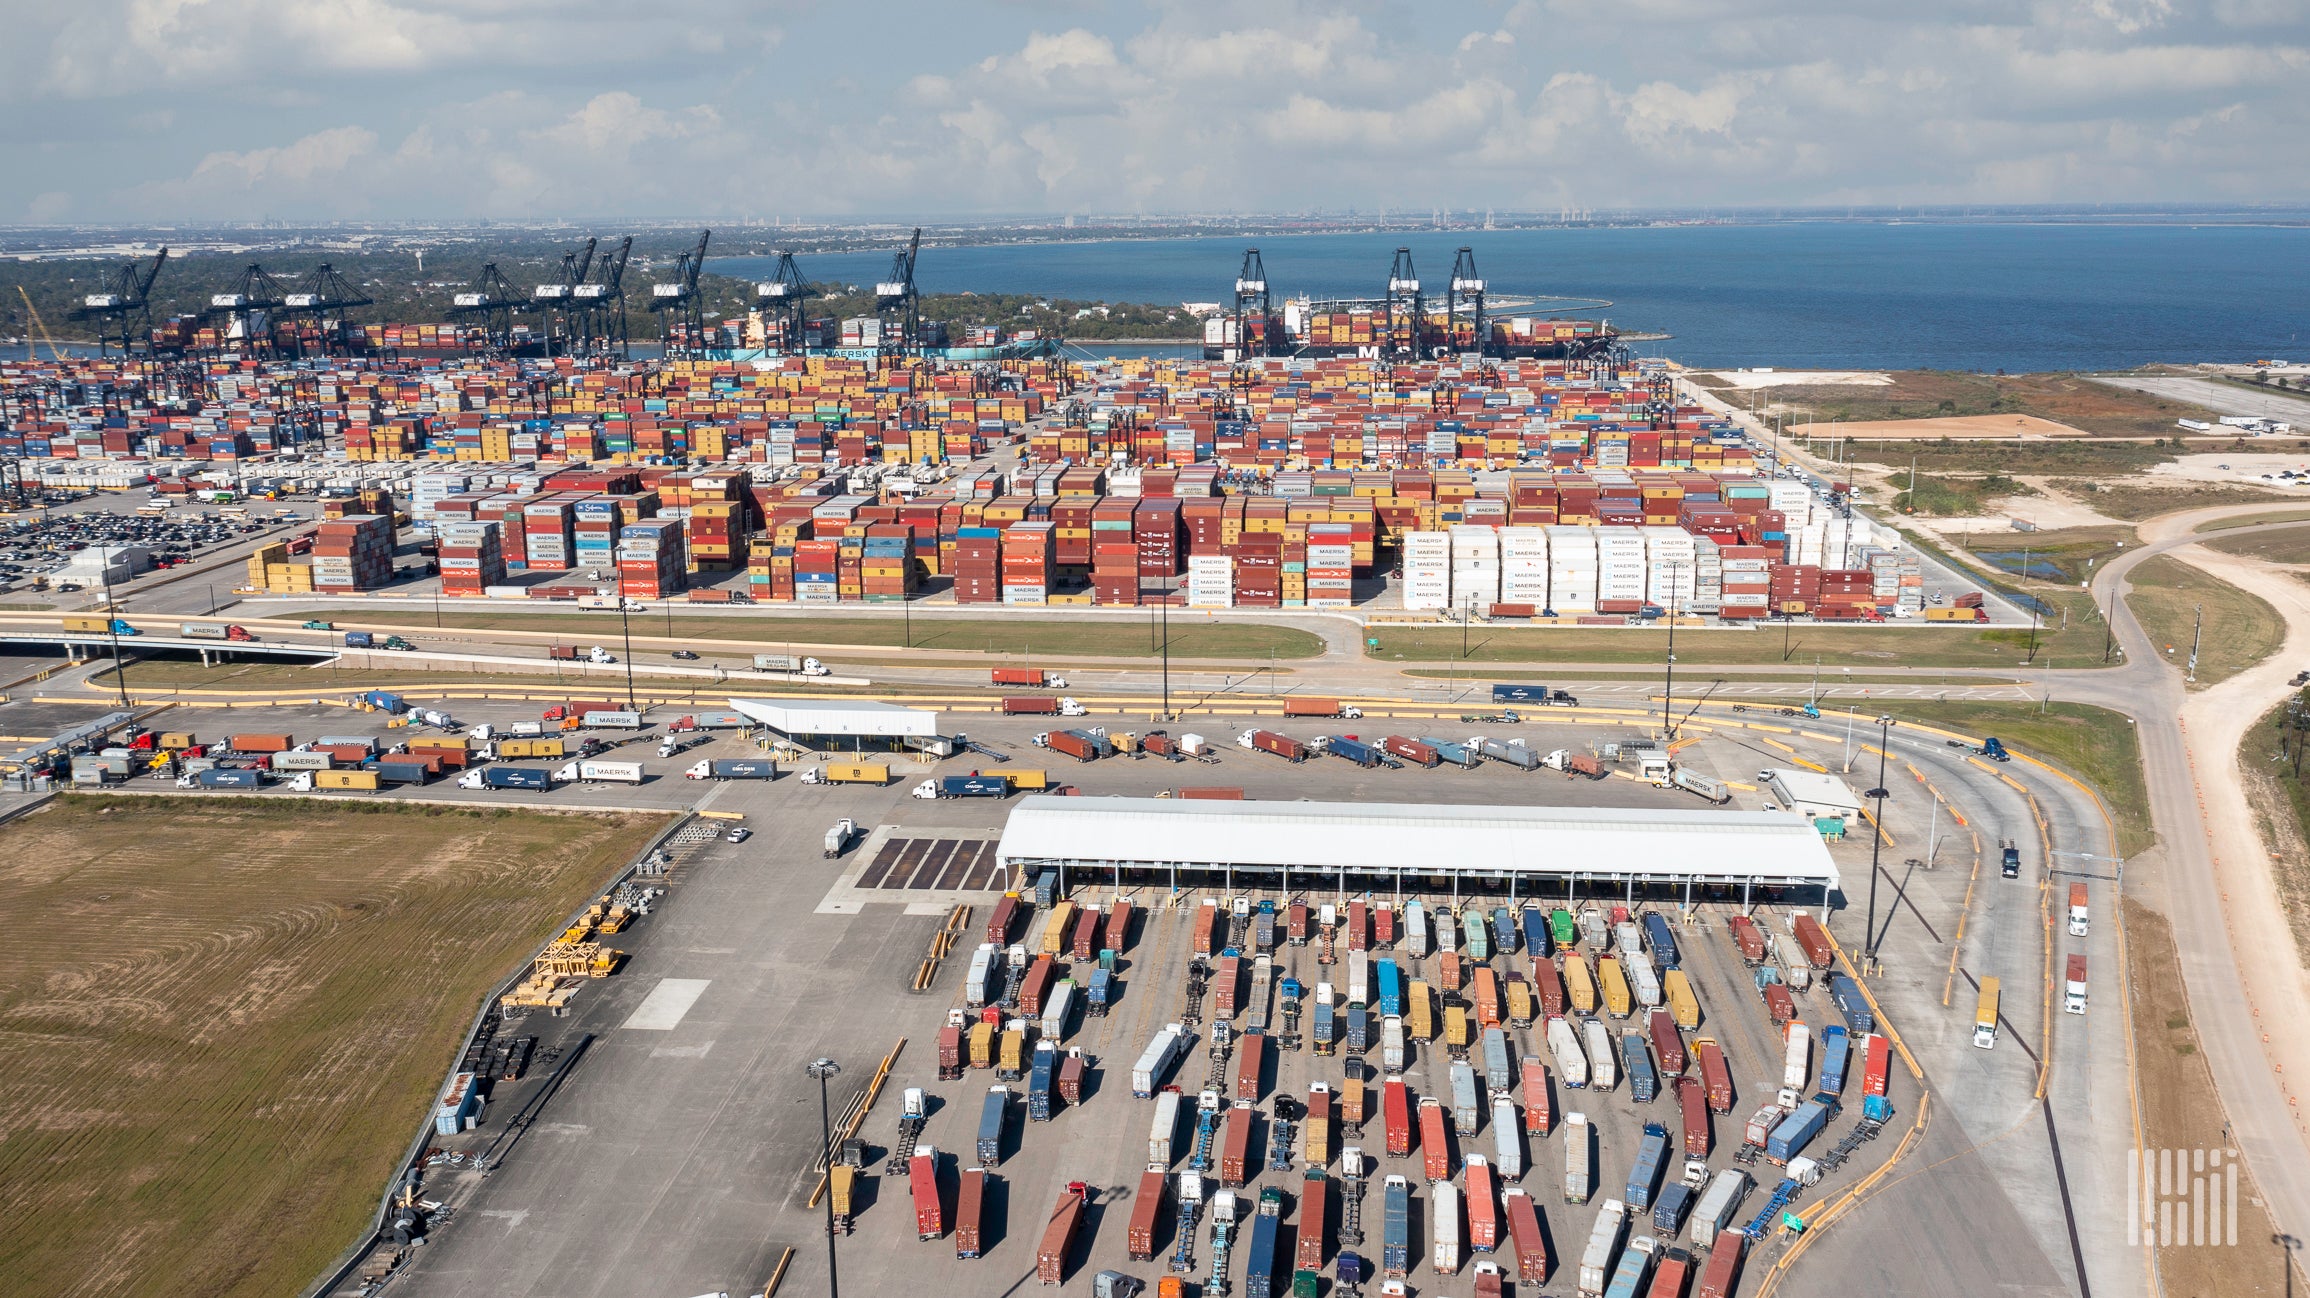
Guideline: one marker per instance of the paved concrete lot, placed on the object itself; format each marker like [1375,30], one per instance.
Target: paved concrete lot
[676,1158]
[2224,398]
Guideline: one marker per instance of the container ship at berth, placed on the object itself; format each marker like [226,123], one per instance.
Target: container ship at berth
[1401,323]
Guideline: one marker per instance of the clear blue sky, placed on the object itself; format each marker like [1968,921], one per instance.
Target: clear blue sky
[527,109]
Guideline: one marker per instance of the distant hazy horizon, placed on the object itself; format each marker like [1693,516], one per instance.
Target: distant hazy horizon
[252,110]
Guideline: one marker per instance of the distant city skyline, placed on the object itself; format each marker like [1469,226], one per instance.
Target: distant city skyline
[127,111]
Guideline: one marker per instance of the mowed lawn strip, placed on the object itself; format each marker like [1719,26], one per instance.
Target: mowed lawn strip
[2178,605]
[221,1024]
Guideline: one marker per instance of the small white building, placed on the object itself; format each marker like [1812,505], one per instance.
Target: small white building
[1813,795]
[88,567]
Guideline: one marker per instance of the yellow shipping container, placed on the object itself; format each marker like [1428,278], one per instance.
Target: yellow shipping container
[1418,1021]
[1055,931]
[1579,986]
[857,773]
[1683,1006]
[1455,1027]
[1028,779]
[1616,997]
[345,780]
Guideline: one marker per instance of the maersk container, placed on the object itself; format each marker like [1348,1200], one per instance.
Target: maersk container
[1651,1160]
[1507,1139]
[1465,1113]
[1602,1067]
[1860,1020]
[1499,1068]
[1836,1050]
[1796,1131]
[1636,1057]
[1603,1246]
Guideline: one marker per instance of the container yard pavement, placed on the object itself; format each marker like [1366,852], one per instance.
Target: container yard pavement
[676,1159]
[220,1020]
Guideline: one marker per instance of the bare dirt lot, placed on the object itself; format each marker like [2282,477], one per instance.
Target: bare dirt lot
[221,1023]
[2173,1084]
[1968,426]
[2067,399]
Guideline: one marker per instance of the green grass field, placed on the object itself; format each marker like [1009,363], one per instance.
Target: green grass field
[223,1022]
[2240,629]
[2094,744]
[2289,546]
[1836,646]
[1191,636]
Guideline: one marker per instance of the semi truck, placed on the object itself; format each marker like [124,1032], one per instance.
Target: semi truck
[789,663]
[1039,706]
[1312,707]
[1268,741]
[733,768]
[2073,986]
[875,773]
[963,786]
[535,778]
[591,772]
[211,631]
[1579,1159]
[1031,677]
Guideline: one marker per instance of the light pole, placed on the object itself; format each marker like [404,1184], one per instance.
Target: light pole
[1166,655]
[1876,839]
[112,627]
[823,1068]
[626,628]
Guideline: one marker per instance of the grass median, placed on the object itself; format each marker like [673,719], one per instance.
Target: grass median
[2096,745]
[2072,644]
[221,1023]
[2239,629]
[2291,545]
[1191,635]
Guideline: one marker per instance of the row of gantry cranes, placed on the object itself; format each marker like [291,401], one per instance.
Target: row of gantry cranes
[580,312]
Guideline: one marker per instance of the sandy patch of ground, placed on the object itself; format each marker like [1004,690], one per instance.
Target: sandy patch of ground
[2238,468]
[2044,513]
[1977,427]
[1748,379]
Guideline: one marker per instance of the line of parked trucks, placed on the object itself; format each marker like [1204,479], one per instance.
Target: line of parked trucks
[1601,963]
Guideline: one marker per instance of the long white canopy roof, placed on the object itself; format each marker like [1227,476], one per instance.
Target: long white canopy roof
[838,717]
[1429,839]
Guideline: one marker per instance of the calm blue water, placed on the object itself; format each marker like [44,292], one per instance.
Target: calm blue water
[1978,297]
